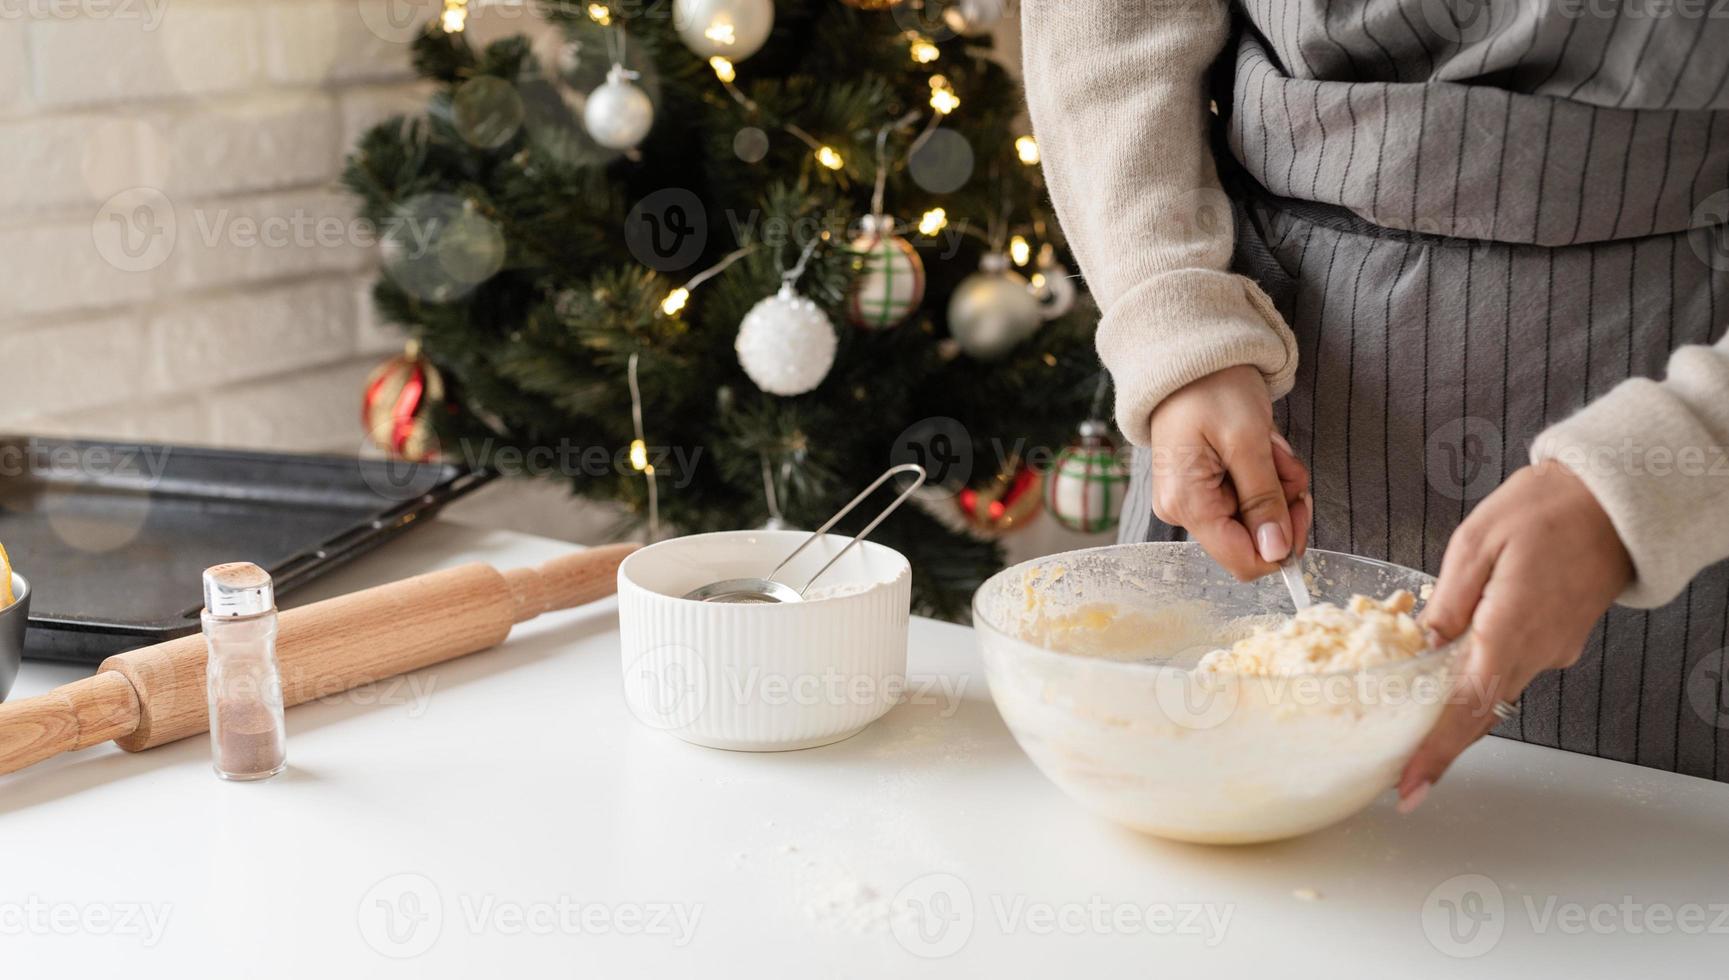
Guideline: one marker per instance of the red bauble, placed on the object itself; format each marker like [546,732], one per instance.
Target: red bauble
[1009,501]
[397,405]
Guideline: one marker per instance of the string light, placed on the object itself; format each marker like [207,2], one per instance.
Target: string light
[721,33]
[723,69]
[1027,148]
[675,301]
[1020,250]
[923,51]
[933,221]
[600,14]
[943,97]
[455,16]
[829,157]
[639,451]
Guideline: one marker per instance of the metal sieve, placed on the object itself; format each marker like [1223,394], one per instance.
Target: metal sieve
[766,589]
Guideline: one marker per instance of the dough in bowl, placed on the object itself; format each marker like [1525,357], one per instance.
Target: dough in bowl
[1326,638]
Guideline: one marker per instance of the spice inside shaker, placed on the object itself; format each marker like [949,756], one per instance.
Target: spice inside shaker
[247,735]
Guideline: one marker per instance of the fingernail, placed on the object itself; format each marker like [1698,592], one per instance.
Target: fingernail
[1270,537]
[1414,799]
[1283,443]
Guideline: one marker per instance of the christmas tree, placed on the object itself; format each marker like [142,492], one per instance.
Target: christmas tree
[761,249]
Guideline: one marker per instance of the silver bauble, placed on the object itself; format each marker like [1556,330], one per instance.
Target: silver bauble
[618,113]
[974,17]
[733,29]
[1054,287]
[786,344]
[993,310]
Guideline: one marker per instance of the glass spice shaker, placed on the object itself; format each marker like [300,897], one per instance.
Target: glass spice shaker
[247,736]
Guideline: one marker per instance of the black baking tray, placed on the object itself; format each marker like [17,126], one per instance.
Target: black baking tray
[113,536]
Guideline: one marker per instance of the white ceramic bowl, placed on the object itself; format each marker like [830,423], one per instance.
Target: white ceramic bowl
[1088,656]
[763,677]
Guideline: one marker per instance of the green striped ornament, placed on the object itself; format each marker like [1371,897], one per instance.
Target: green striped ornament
[892,282]
[1085,487]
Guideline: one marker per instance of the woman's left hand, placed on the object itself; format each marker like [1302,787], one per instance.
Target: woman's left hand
[1530,572]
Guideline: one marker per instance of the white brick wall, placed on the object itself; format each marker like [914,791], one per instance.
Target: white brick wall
[177,259]
[216,127]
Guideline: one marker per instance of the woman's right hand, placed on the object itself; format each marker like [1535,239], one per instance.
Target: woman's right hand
[1224,474]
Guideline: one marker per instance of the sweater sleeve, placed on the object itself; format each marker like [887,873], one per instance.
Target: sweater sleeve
[1117,94]
[1656,456]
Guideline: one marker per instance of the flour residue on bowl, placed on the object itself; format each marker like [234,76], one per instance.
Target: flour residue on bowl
[1061,618]
[842,589]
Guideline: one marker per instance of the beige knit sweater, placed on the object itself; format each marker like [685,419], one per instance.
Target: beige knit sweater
[1118,99]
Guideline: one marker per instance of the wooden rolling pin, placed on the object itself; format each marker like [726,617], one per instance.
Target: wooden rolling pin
[156,695]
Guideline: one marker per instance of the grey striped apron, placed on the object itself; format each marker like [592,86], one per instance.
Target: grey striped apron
[1475,225]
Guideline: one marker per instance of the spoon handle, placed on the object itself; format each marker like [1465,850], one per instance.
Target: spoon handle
[1291,570]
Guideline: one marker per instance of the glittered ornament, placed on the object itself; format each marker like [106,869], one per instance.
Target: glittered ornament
[974,17]
[1008,502]
[993,310]
[618,113]
[397,404]
[786,344]
[732,29]
[1086,484]
[892,282]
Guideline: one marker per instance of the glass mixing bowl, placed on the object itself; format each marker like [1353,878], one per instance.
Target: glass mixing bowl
[1089,656]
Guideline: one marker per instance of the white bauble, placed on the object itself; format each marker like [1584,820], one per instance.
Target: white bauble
[733,29]
[619,113]
[786,344]
[993,310]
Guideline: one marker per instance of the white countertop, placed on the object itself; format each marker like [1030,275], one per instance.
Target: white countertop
[503,815]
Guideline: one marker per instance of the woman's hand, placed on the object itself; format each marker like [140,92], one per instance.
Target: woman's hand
[1223,473]
[1530,572]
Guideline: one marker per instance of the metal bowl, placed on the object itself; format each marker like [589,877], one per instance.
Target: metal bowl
[1089,656]
[13,619]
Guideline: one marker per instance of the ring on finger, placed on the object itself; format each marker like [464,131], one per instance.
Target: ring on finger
[1505,710]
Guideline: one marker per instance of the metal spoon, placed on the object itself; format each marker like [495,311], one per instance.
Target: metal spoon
[767,590]
[1291,570]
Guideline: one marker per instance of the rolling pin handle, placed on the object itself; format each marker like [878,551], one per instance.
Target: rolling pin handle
[74,716]
[567,581]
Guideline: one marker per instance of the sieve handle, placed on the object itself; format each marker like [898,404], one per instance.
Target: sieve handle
[888,474]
